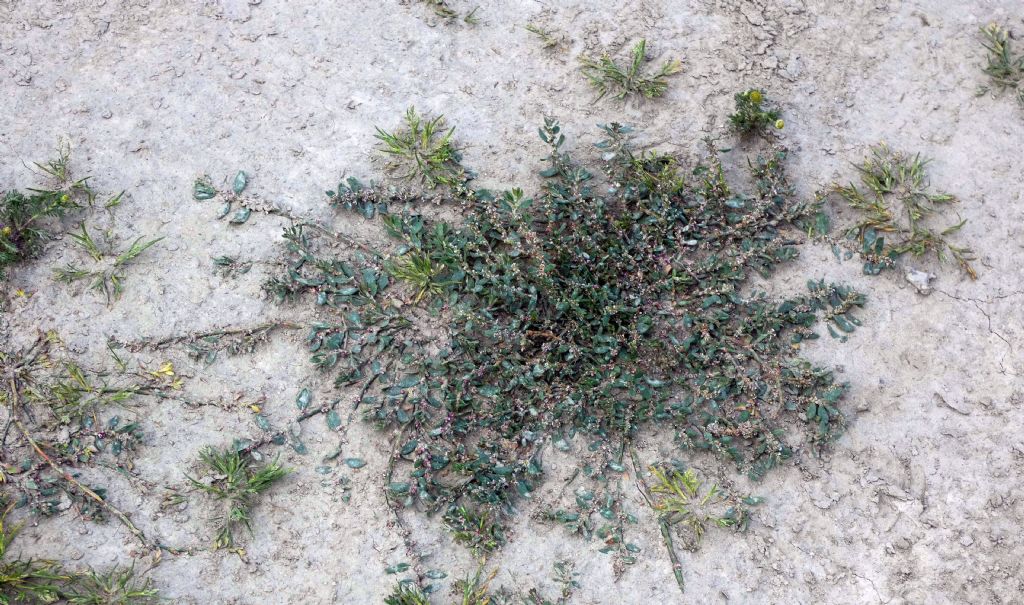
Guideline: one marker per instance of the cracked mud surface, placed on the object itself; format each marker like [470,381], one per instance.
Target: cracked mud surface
[922,500]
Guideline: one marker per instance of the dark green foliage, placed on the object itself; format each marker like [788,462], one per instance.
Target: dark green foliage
[233,202]
[752,115]
[406,594]
[593,310]
[1004,68]
[897,208]
[235,482]
[608,77]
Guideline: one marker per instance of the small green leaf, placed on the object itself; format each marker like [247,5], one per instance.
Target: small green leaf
[355,462]
[241,216]
[303,399]
[241,180]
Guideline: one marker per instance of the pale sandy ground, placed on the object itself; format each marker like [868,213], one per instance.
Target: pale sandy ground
[920,502]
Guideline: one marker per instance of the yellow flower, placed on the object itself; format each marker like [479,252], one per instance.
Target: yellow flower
[255,408]
[20,293]
[6,230]
[755,97]
[65,197]
[780,124]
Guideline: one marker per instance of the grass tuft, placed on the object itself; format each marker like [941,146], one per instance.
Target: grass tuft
[897,208]
[1004,68]
[235,483]
[608,77]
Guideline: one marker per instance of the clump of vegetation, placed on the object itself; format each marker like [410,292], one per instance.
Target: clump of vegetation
[25,580]
[44,581]
[897,208]
[684,503]
[23,215]
[608,77]
[107,276]
[1004,68]
[752,113]
[407,594]
[69,417]
[423,149]
[118,586]
[598,309]
[474,529]
[234,201]
[235,482]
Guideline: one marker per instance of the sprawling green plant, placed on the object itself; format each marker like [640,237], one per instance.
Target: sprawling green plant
[1004,68]
[599,309]
[608,77]
[67,417]
[25,580]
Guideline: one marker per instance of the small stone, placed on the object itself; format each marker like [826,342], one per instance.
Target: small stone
[921,280]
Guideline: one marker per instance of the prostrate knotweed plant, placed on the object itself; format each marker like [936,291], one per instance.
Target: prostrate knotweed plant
[1004,68]
[897,208]
[753,115]
[596,311]
[608,77]
[235,482]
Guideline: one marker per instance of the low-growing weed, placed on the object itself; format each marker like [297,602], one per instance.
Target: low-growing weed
[235,481]
[608,77]
[107,274]
[897,209]
[1004,67]
[423,149]
[752,113]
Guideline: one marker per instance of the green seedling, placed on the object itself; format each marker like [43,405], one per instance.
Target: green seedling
[43,581]
[897,208]
[406,594]
[608,77]
[753,115]
[108,273]
[423,149]
[235,483]
[1004,68]
[548,38]
[475,530]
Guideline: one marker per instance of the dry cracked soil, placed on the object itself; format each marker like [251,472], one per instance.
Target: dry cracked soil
[920,501]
